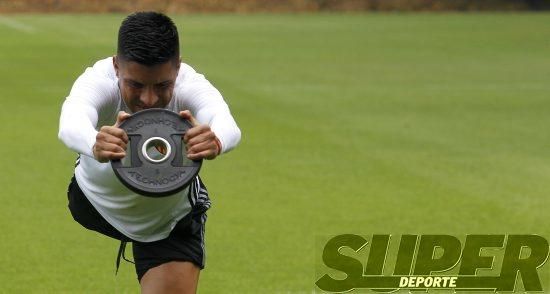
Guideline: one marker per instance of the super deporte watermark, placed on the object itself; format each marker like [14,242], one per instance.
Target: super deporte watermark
[388,263]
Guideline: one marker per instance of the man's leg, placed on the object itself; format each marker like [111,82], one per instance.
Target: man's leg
[171,277]
[86,215]
[172,265]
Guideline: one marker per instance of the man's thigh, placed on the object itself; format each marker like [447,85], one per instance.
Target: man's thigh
[184,244]
[86,215]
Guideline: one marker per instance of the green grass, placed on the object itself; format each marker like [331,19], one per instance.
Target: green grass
[352,123]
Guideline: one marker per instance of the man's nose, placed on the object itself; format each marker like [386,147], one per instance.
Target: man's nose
[148,97]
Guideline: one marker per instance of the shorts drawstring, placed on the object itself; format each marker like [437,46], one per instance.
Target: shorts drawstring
[121,251]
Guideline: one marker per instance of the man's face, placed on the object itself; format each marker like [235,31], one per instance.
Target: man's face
[144,87]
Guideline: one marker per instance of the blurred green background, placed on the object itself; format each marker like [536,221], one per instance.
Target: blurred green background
[352,123]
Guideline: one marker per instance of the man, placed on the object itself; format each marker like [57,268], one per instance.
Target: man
[167,233]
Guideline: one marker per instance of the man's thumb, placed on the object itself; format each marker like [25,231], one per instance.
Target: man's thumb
[186,114]
[122,115]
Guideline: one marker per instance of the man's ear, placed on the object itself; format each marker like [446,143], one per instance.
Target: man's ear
[179,63]
[115,64]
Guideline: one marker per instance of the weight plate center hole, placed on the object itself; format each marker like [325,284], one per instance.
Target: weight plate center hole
[156,149]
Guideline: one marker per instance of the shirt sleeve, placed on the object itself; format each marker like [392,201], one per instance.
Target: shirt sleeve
[206,103]
[90,94]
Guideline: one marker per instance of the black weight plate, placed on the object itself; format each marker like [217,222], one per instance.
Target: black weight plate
[156,164]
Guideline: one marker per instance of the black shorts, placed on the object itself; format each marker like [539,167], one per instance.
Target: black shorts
[185,242]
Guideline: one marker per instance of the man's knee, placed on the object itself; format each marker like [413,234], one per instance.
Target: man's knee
[171,277]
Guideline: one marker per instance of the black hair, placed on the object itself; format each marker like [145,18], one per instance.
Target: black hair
[148,38]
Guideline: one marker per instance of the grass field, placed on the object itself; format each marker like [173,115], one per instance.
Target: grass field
[352,123]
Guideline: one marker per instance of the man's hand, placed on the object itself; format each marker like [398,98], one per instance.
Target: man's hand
[111,141]
[200,141]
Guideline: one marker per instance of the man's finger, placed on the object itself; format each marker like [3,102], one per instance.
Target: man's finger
[115,131]
[115,140]
[203,146]
[201,137]
[195,131]
[104,153]
[110,148]
[204,154]
[109,155]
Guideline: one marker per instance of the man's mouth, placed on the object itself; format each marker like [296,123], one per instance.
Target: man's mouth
[141,107]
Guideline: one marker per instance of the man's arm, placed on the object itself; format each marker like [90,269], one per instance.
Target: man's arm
[212,114]
[91,93]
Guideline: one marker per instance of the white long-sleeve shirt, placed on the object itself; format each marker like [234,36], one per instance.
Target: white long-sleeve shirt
[94,101]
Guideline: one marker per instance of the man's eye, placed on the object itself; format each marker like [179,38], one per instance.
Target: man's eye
[136,85]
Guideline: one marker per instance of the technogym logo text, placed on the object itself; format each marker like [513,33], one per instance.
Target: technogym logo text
[386,263]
